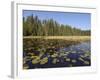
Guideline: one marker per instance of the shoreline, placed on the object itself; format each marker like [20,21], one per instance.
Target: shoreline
[68,38]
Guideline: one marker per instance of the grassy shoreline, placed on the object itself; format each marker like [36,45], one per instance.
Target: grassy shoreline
[71,38]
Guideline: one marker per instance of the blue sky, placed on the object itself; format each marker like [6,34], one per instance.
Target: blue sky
[78,20]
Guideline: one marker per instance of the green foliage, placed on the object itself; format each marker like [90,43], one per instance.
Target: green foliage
[33,26]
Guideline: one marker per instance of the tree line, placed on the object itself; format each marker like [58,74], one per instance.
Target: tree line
[33,26]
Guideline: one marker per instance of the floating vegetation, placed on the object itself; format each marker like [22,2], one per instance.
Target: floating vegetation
[35,60]
[68,59]
[81,59]
[26,66]
[54,55]
[74,61]
[54,61]
[47,53]
[86,62]
[44,60]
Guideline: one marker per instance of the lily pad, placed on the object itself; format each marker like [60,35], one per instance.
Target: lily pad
[44,60]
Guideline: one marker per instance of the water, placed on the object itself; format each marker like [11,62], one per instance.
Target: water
[73,55]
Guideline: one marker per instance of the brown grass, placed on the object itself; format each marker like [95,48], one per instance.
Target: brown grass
[71,38]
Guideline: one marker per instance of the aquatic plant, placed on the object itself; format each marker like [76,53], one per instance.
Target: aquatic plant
[44,60]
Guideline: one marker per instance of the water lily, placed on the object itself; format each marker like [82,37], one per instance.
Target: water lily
[74,61]
[86,62]
[54,55]
[54,61]
[44,60]
[25,66]
[35,61]
[81,59]
[68,59]
[73,51]
[67,52]
[30,53]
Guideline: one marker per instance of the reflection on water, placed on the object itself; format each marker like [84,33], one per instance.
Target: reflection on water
[55,53]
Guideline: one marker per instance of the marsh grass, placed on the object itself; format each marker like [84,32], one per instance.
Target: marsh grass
[73,38]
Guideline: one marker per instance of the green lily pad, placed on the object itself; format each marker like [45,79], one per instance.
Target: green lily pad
[54,61]
[68,59]
[74,61]
[44,60]
[86,62]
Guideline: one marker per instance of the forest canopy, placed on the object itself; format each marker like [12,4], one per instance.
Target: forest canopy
[33,26]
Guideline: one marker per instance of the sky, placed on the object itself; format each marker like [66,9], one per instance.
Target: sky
[77,20]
